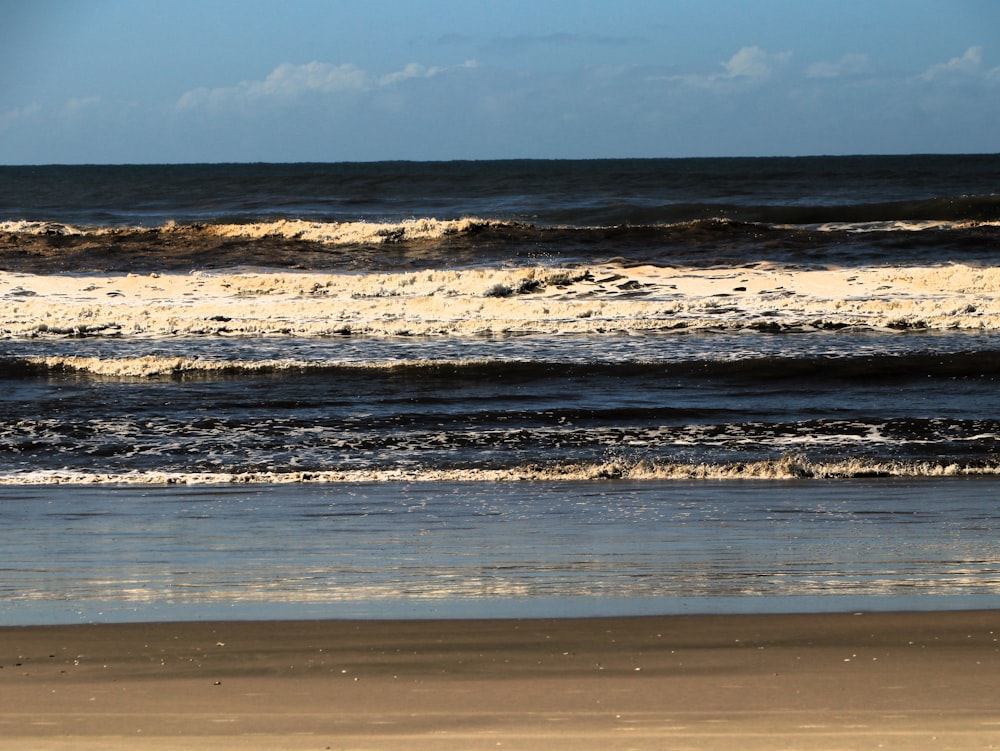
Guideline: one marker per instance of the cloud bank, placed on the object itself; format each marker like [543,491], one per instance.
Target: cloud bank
[289,82]
[754,101]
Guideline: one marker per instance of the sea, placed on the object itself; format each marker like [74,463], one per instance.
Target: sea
[499,388]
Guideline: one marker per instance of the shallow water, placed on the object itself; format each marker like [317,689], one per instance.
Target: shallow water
[79,554]
[668,406]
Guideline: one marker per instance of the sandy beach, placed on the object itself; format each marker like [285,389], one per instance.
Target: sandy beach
[844,681]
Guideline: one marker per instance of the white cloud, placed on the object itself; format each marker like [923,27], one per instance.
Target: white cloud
[78,106]
[287,81]
[416,70]
[753,62]
[290,82]
[967,64]
[412,70]
[12,117]
[851,64]
[748,65]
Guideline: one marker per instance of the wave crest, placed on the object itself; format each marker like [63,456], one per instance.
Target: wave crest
[330,233]
[354,233]
[786,468]
[958,364]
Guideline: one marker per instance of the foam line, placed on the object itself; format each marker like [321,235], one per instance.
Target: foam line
[487,301]
[790,467]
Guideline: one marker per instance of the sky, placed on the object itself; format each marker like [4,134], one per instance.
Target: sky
[165,81]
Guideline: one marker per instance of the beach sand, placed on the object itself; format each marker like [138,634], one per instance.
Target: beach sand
[842,681]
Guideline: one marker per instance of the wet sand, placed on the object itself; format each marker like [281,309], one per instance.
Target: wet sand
[843,681]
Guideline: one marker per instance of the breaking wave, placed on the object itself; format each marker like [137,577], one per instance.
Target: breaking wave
[953,365]
[717,218]
[785,468]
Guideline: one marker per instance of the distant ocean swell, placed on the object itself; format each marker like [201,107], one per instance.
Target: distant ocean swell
[811,190]
[960,211]
[45,247]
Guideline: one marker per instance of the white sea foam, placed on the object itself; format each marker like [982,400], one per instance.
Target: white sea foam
[894,226]
[349,233]
[39,228]
[343,233]
[484,301]
[427,228]
[790,467]
[328,233]
[152,366]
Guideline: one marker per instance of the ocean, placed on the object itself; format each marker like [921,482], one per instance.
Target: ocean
[499,388]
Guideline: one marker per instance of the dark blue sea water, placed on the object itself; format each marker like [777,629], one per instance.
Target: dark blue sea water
[589,193]
[499,387]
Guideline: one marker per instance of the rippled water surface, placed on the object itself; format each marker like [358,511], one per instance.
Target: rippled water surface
[478,549]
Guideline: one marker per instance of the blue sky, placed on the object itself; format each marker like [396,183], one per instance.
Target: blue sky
[110,81]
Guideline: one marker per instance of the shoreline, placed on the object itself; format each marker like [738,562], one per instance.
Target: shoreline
[833,680]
